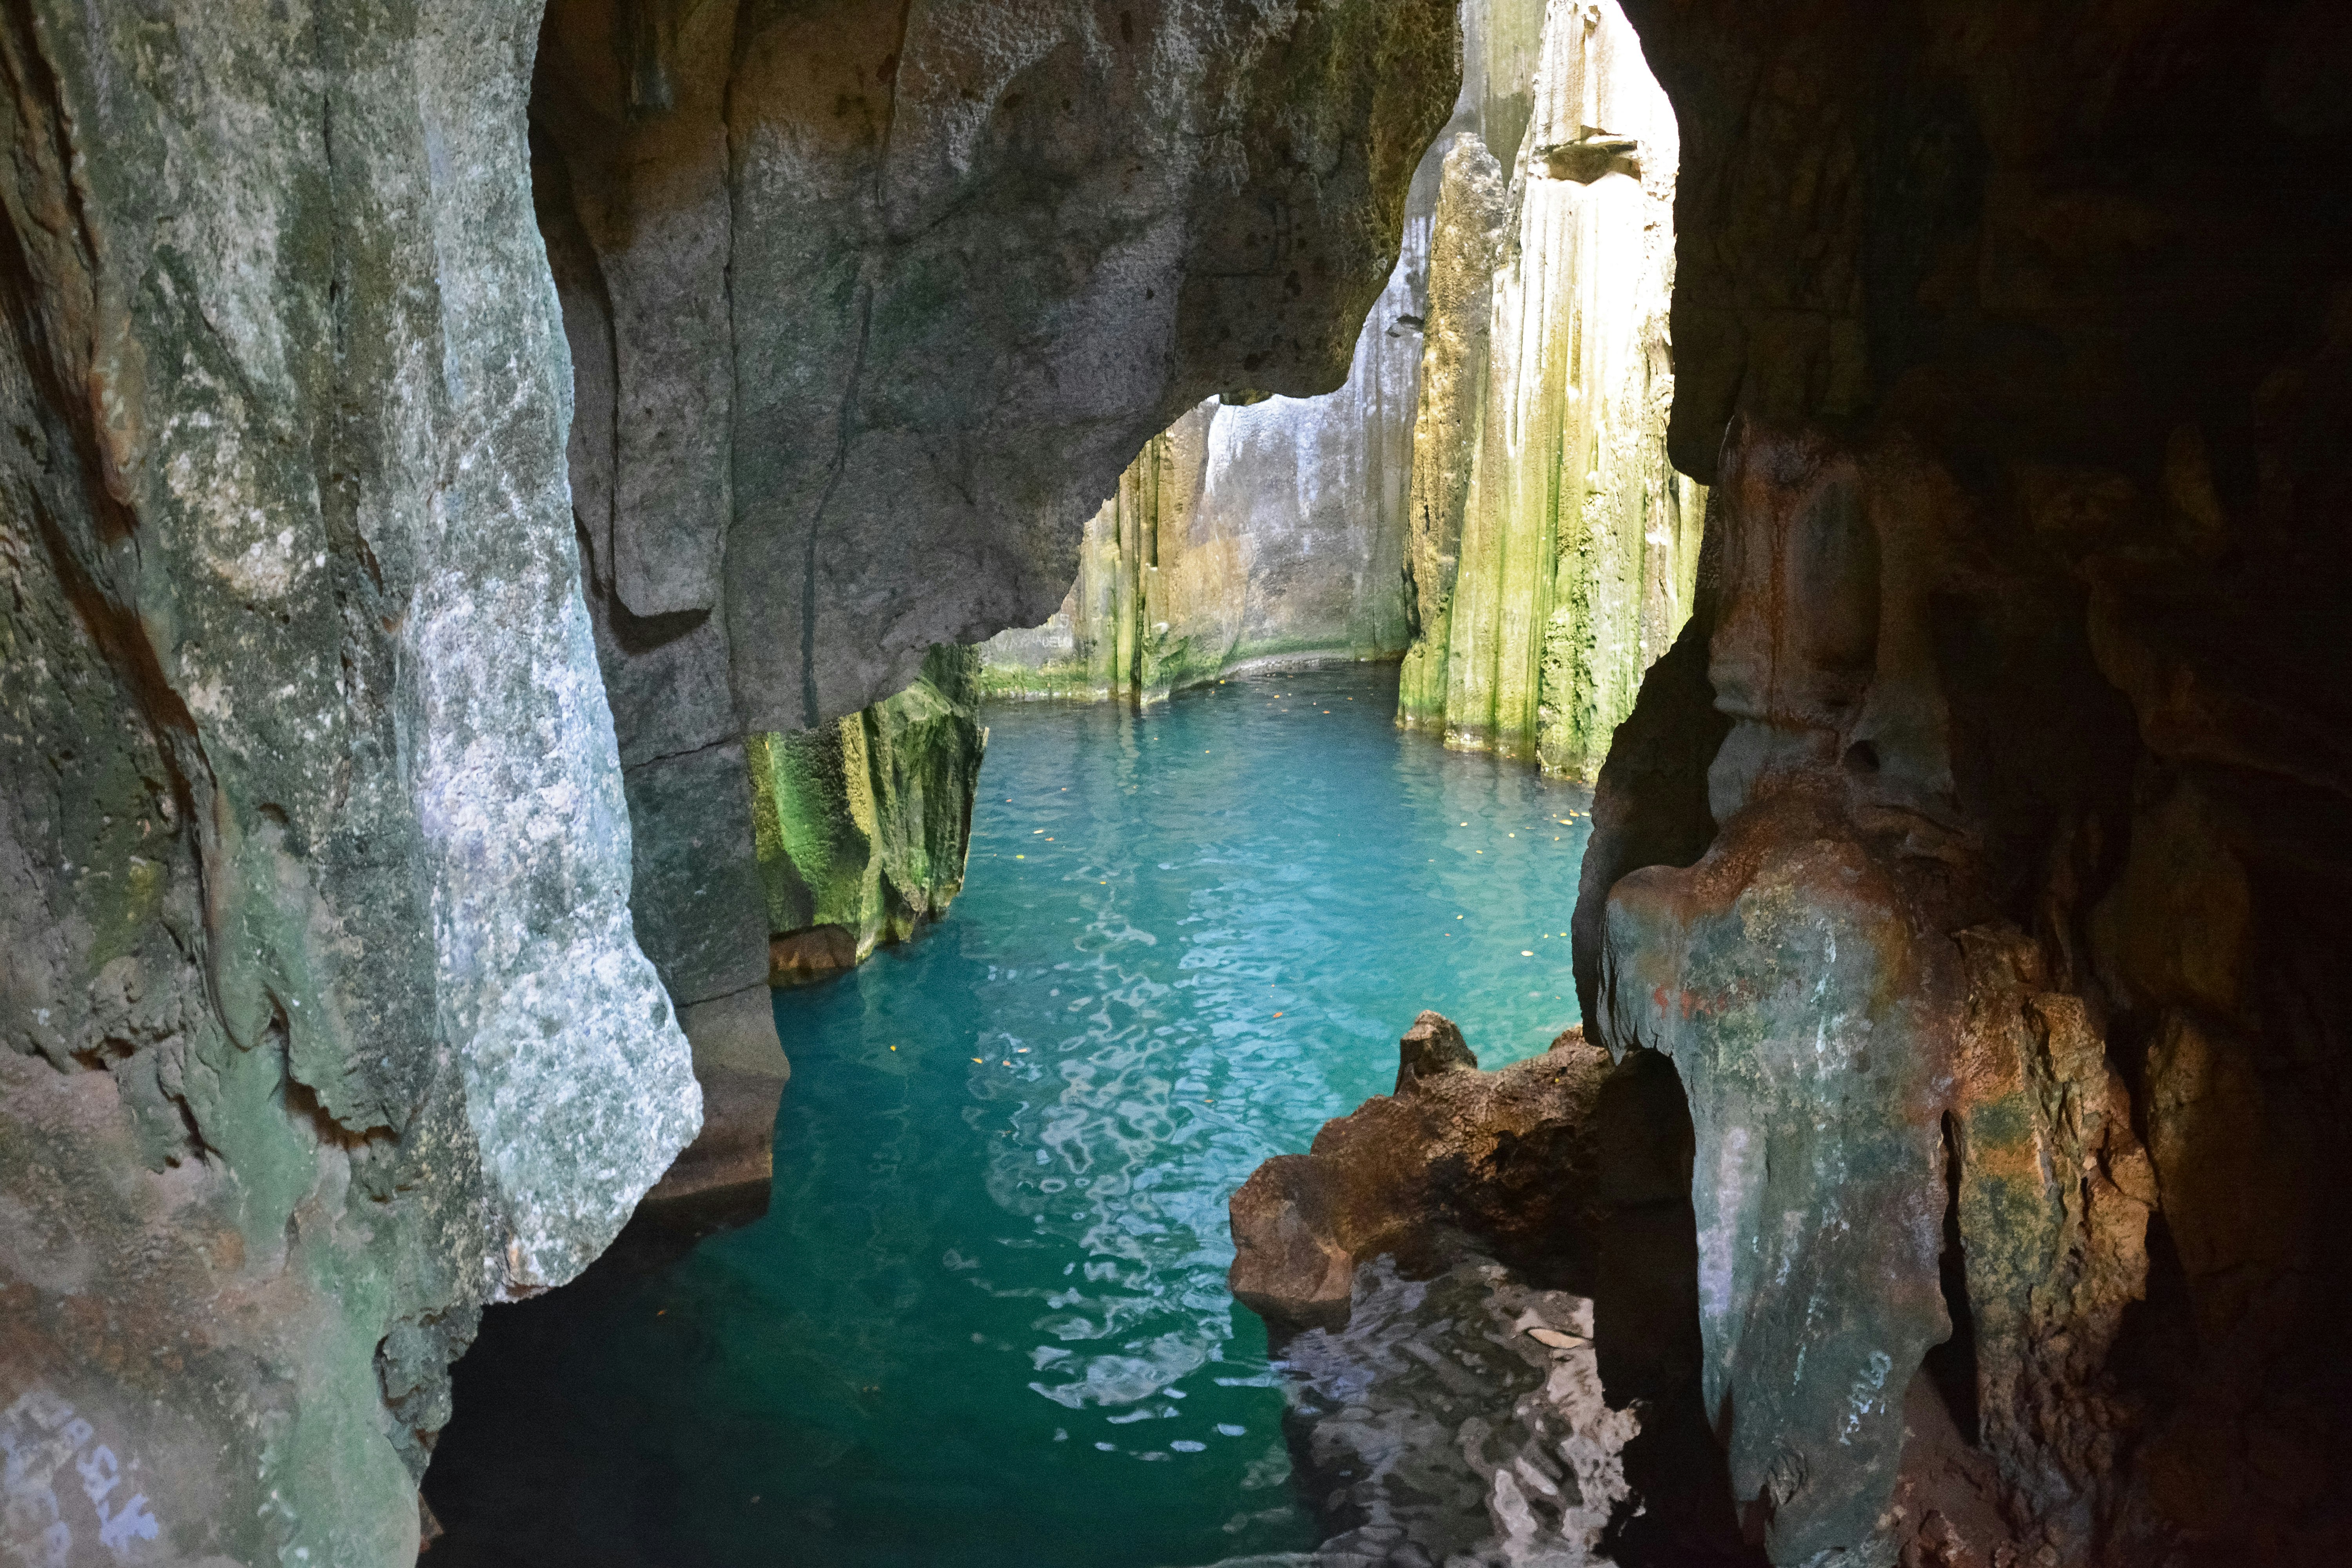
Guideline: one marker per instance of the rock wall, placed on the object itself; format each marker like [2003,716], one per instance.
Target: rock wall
[323,841]
[1979,857]
[870,305]
[864,825]
[323,1021]
[1255,529]
[951,268]
[1270,531]
[1552,548]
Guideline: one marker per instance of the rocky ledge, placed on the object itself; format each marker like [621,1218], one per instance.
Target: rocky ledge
[1455,1157]
[1426,1273]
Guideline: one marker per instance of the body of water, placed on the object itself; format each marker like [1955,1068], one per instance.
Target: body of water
[985,1321]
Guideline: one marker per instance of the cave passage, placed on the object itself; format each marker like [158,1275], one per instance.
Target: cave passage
[985,1321]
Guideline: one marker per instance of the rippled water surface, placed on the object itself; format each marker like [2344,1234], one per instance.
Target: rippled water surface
[985,1321]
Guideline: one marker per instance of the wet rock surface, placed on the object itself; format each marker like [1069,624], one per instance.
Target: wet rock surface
[1507,1157]
[2010,393]
[1429,1273]
[1457,1420]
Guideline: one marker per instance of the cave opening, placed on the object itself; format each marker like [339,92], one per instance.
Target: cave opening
[1780,566]
[1307,749]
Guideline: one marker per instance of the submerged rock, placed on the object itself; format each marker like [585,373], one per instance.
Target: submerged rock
[1437,1425]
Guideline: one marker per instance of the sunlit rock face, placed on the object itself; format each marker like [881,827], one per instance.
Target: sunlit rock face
[1552,548]
[870,307]
[864,825]
[323,1021]
[1246,535]
[2009,681]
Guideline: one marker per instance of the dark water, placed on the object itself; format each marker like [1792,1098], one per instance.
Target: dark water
[985,1321]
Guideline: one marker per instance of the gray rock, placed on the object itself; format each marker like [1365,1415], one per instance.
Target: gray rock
[1435,1427]
[972,260]
[324,1019]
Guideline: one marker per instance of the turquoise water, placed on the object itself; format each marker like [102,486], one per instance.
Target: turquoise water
[985,1320]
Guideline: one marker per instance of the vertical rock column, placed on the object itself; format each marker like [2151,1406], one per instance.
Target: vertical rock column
[1553,548]
[1908,1129]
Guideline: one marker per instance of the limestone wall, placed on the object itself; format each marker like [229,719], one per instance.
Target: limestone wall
[1981,859]
[321,1020]
[1553,550]
[1247,531]
[863,825]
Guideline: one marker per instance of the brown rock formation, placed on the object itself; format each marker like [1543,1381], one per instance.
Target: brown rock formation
[1505,1157]
[2023,398]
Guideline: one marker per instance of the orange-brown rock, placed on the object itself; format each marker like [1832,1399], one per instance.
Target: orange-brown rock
[1505,1159]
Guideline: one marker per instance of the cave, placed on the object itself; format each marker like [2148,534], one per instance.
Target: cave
[1306,782]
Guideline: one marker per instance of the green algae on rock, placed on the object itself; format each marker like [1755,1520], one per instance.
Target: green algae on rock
[863,825]
[1554,551]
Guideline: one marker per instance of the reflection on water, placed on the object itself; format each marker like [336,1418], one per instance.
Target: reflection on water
[985,1322]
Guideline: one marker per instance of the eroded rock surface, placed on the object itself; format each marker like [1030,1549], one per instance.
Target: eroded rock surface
[323,1018]
[2012,391]
[1446,1406]
[864,825]
[940,274]
[1552,548]
[1456,1420]
[1507,1157]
